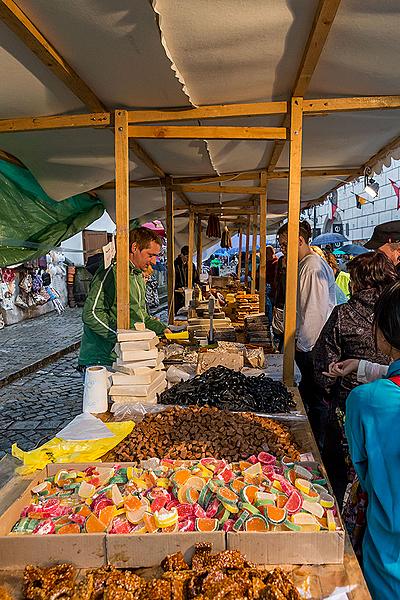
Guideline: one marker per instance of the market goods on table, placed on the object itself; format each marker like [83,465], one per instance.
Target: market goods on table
[258,495]
[227,389]
[197,432]
[211,576]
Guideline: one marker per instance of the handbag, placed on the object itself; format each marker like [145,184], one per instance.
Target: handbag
[278,320]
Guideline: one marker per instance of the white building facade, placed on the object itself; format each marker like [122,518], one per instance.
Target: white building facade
[357,224]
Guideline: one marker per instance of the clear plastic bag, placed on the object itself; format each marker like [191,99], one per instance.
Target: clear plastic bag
[135,411]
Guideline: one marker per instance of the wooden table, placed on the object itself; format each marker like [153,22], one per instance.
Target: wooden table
[320,581]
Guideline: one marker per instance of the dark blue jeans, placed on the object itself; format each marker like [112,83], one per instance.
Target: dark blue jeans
[268,302]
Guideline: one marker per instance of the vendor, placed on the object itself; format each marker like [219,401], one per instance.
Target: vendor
[181,277]
[100,310]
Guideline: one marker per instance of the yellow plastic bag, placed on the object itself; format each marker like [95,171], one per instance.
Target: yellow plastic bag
[61,451]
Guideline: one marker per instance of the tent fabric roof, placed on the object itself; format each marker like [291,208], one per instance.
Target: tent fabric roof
[135,53]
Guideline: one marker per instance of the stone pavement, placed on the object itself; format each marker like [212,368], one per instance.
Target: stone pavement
[35,407]
[28,345]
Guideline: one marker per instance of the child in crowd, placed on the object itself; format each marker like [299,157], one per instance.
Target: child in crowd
[372,416]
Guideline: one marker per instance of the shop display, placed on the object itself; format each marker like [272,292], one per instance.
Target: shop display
[197,432]
[211,576]
[227,389]
[246,304]
[257,329]
[260,494]
[139,377]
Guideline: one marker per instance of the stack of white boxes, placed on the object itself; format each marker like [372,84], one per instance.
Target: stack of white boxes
[140,375]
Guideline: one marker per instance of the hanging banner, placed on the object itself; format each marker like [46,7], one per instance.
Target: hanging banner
[333,199]
[360,201]
[396,191]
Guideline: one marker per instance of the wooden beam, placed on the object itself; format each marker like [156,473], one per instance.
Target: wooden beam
[330,105]
[254,256]
[240,252]
[22,26]
[122,217]
[320,29]
[321,172]
[216,111]
[207,132]
[246,202]
[263,243]
[102,119]
[214,189]
[170,253]
[191,248]
[245,176]
[292,268]
[199,248]
[135,183]
[246,260]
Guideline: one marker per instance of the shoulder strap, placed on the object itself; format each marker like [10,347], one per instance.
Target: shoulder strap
[395,379]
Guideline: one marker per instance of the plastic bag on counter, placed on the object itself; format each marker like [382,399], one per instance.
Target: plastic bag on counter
[61,451]
[135,411]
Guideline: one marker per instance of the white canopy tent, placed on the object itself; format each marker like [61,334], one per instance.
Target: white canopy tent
[94,56]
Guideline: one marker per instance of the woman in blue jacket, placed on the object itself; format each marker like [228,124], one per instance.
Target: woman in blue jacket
[372,429]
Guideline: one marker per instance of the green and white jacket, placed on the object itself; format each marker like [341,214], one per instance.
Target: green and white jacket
[100,315]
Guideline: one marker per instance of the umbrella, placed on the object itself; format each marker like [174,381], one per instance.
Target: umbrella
[329,238]
[354,249]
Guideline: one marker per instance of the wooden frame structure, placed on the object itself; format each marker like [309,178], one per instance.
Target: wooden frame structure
[132,125]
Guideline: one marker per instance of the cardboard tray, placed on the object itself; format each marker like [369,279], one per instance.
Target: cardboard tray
[135,551]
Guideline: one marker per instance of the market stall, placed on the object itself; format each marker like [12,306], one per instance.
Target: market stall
[69,150]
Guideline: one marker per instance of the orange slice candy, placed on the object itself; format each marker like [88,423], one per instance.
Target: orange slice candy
[94,525]
[107,514]
[70,528]
[256,524]
[181,476]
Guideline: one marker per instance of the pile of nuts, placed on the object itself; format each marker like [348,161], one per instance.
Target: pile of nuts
[197,432]
[223,576]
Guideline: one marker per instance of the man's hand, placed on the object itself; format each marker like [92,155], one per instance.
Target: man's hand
[167,331]
[342,368]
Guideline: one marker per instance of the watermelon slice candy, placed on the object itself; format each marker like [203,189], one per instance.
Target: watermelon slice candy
[171,504]
[187,524]
[228,525]
[226,475]
[184,511]
[121,525]
[253,459]
[220,466]
[212,509]
[199,512]
[294,503]
[80,519]
[266,459]
[158,503]
[45,527]
[100,502]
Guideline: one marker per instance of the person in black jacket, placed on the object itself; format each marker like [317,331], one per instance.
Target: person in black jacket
[181,277]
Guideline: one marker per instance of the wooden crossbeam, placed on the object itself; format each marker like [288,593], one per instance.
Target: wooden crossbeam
[354,171]
[207,132]
[22,26]
[216,111]
[102,119]
[246,176]
[213,189]
[320,29]
[331,105]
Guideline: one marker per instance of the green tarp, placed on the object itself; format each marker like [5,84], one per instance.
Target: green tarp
[32,223]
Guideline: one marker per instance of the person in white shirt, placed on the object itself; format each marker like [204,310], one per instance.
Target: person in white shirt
[316,298]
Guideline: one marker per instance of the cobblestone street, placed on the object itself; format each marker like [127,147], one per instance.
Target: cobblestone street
[35,407]
[25,344]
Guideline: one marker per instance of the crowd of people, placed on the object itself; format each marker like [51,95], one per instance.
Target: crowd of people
[345,340]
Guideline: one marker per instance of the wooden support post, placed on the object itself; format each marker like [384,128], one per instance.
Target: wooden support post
[191,248]
[240,252]
[246,259]
[170,253]
[254,256]
[263,242]
[199,246]
[292,268]
[122,217]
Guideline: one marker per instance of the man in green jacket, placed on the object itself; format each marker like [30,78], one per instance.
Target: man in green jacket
[100,310]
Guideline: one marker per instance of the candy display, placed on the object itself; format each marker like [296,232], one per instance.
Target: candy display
[197,432]
[259,494]
[228,389]
[211,576]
